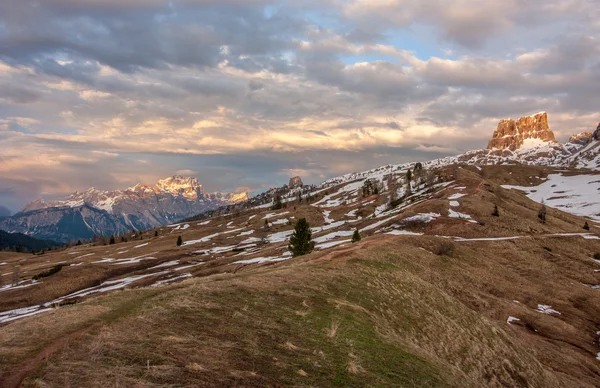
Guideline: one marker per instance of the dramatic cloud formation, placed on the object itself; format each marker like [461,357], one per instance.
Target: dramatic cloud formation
[244,93]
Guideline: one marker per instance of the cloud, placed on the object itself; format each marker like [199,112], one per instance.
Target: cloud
[243,93]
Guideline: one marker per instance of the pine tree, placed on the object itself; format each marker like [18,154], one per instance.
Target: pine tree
[356,236]
[408,176]
[542,214]
[112,240]
[179,241]
[277,204]
[156,233]
[300,240]
[496,213]
[586,226]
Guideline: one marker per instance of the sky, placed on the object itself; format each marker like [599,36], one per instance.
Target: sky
[244,94]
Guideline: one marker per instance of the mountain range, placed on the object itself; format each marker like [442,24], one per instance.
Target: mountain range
[95,212]
[454,264]
[528,140]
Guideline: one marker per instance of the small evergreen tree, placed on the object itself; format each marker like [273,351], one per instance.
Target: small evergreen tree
[277,204]
[495,213]
[300,240]
[408,176]
[179,241]
[78,242]
[156,233]
[356,236]
[586,226]
[112,240]
[542,214]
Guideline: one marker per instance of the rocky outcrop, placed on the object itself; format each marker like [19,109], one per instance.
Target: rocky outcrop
[596,134]
[512,134]
[296,182]
[582,138]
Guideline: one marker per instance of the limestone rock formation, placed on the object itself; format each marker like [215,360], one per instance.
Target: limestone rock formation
[296,182]
[582,138]
[527,131]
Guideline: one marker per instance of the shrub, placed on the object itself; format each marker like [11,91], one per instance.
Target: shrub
[542,214]
[446,248]
[49,272]
[597,255]
[496,213]
[586,226]
[112,240]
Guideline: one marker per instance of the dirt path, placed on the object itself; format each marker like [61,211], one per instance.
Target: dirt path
[13,378]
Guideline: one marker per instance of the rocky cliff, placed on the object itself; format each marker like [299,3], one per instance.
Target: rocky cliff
[97,212]
[528,131]
[296,182]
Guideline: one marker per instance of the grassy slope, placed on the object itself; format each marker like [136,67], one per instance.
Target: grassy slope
[391,313]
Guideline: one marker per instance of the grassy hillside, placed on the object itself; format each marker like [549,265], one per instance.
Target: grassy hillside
[479,301]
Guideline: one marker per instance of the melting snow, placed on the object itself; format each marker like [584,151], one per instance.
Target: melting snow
[512,319]
[403,233]
[260,260]
[576,194]
[279,236]
[453,214]
[454,203]
[170,280]
[331,236]
[167,264]
[456,196]
[141,245]
[545,309]
[422,217]
[270,215]
[331,244]
[210,236]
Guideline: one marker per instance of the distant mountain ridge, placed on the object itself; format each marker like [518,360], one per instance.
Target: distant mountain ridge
[21,242]
[95,212]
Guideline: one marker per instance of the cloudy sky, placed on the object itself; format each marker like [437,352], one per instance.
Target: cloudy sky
[245,93]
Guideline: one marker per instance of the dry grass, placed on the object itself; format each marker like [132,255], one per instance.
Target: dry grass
[333,329]
[410,317]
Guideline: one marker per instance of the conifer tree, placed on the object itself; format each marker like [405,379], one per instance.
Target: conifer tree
[300,240]
[586,226]
[356,236]
[542,214]
[156,233]
[112,240]
[277,204]
[179,241]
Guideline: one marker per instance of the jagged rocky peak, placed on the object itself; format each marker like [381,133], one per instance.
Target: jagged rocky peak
[188,187]
[527,132]
[582,138]
[296,182]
